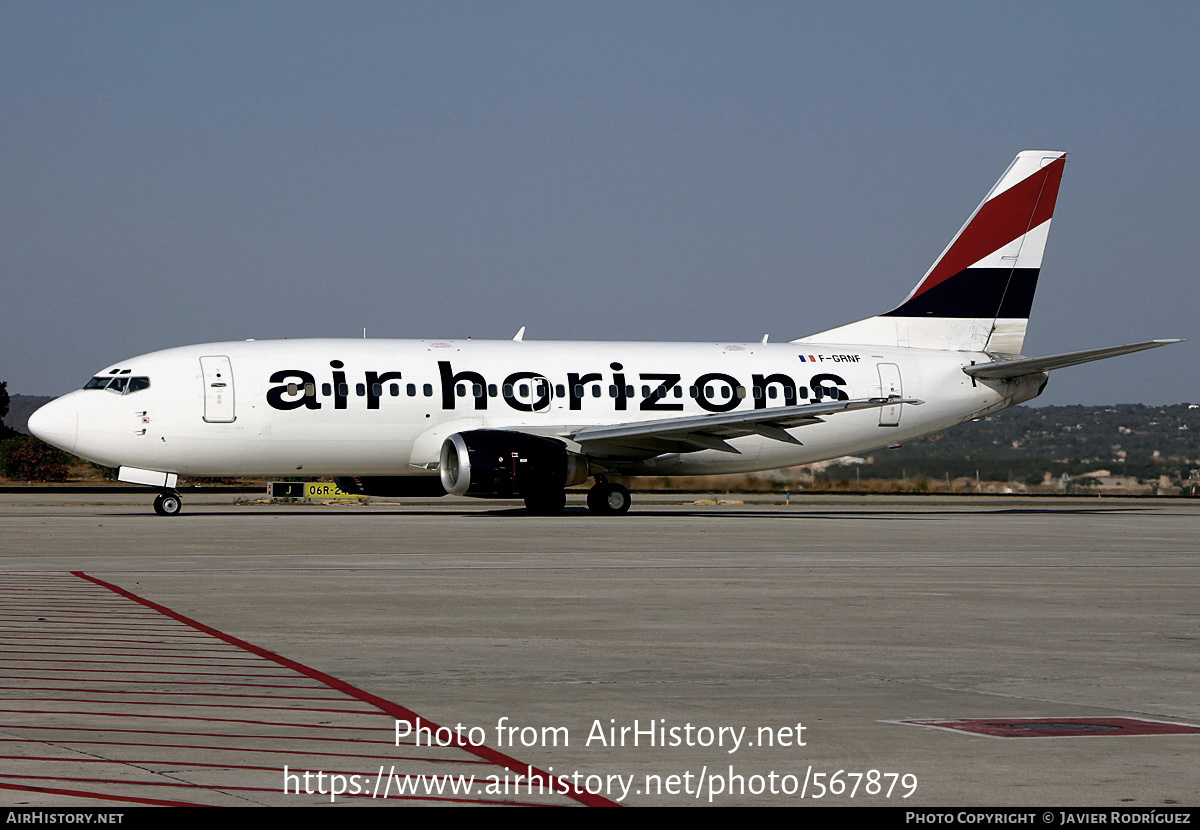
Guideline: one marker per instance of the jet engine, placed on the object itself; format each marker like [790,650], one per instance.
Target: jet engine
[494,463]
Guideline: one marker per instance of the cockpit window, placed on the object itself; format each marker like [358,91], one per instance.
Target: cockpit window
[122,385]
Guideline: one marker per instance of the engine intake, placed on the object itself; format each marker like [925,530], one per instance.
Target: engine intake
[494,463]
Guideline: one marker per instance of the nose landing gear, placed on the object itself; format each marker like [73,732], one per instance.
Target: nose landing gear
[168,503]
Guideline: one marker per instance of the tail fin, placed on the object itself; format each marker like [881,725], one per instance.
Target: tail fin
[978,294]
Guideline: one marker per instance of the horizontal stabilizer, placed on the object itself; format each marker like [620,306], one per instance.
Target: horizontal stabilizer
[1008,369]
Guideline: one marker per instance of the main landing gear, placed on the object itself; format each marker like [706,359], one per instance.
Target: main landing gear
[168,503]
[608,498]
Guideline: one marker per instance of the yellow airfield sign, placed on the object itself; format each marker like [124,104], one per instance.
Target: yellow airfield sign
[307,490]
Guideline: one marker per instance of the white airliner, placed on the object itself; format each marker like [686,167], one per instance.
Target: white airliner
[520,419]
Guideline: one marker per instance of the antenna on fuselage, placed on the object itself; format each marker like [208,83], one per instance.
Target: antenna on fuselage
[520,335]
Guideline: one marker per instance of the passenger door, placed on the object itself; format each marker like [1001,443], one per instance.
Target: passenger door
[889,385]
[218,389]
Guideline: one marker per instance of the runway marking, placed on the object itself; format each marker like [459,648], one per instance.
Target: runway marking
[77,652]
[1059,727]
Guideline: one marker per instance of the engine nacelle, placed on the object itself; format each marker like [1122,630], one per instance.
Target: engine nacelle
[494,463]
[391,486]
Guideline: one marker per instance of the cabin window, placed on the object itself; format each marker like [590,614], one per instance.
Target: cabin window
[428,390]
[411,389]
[492,390]
[326,389]
[394,389]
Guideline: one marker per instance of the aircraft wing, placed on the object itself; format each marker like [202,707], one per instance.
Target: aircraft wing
[711,432]
[1009,369]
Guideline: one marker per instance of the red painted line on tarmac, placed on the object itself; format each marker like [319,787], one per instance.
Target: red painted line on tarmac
[205,788]
[141,652]
[185,692]
[150,802]
[173,763]
[119,626]
[12,674]
[176,764]
[241,664]
[177,704]
[196,718]
[1060,727]
[257,750]
[178,732]
[44,637]
[387,707]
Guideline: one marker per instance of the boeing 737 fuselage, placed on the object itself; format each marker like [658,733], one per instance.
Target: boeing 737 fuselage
[526,419]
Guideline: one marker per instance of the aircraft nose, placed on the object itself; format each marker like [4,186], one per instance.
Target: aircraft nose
[57,423]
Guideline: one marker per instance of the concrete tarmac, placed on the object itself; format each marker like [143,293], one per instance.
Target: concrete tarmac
[725,627]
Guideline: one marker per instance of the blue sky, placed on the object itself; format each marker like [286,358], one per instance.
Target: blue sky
[189,172]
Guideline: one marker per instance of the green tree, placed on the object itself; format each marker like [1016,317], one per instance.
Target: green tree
[28,459]
[5,430]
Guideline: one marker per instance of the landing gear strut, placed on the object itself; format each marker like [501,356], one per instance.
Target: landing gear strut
[608,499]
[168,503]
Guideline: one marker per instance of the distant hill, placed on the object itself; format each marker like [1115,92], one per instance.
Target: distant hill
[20,407]
[1025,443]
